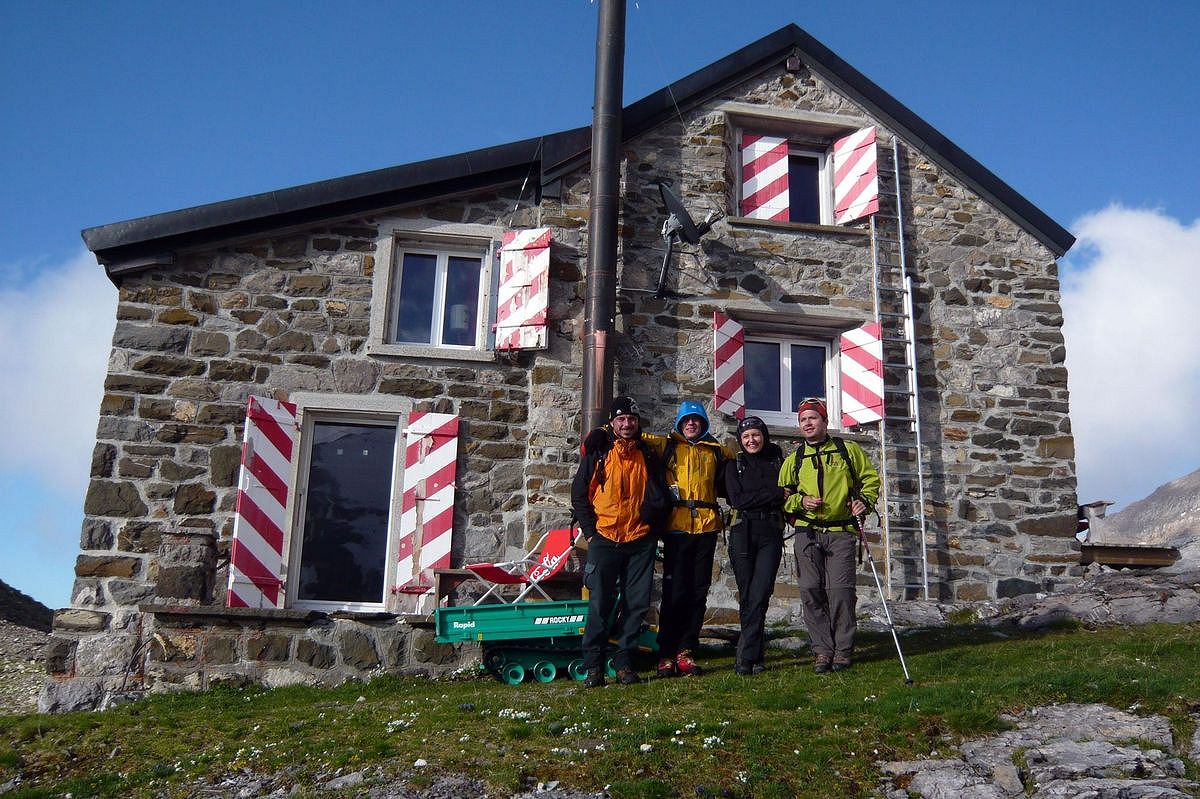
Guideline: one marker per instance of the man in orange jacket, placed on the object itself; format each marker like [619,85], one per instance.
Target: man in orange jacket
[616,496]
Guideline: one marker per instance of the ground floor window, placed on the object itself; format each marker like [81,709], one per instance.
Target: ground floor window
[346,494]
[782,372]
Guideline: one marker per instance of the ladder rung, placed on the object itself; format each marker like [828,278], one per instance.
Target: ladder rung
[894,340]
[894,314]
[891,288]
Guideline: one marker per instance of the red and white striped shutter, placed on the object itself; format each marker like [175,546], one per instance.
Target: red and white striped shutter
[524,290]
[862,375]
[729,375]
[427,509]
[765,177]
[256,558]
[855,176]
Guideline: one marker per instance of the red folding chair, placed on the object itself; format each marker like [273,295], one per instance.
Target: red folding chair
[544,560]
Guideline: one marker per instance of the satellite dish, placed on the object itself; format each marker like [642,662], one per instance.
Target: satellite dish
[679,220]
[679,225]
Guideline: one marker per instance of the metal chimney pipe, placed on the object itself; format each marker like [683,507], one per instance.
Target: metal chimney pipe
[601,301]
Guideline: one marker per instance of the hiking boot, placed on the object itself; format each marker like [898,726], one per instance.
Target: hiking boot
[840,663]
[758,667]
[743,668]
[628,677]
[594,679]
[822,664]
[686,665]
[666,668]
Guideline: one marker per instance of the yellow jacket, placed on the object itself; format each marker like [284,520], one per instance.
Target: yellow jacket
[695,470]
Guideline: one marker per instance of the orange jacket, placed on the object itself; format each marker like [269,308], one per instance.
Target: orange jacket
[612,506]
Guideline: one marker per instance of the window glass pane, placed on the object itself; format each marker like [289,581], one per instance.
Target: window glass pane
[344,548]
[762,370]
[808,373]
[804,188]
[462,301]
[414,313]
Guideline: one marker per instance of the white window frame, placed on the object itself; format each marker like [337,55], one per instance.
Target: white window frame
[313,408]
[787,416]
[397,236]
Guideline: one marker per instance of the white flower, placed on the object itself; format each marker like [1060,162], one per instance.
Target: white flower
[646,747]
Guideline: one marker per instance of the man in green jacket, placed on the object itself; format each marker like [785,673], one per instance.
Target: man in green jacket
[832,482]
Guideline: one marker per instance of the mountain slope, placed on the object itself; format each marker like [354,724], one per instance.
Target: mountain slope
[1168,517]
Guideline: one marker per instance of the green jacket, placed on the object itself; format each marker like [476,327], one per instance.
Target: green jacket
[824,473]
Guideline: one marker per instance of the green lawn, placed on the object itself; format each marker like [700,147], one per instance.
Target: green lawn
[786,733]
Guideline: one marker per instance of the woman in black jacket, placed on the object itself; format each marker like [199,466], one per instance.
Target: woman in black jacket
[756,535]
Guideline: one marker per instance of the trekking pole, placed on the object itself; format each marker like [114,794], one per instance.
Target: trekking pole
[862,537]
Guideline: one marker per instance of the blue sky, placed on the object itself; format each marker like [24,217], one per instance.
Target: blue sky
[122,109]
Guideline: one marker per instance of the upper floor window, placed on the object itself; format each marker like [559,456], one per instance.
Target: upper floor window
[438,296]
[785,180]
[435,290]
[463,291]
[805,173]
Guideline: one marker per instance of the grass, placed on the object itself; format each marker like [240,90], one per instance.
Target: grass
[786,733]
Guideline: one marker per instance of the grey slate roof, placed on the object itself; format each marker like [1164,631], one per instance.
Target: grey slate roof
[141,242]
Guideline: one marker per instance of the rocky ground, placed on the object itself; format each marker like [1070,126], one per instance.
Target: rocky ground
[1057,752]
[21,669]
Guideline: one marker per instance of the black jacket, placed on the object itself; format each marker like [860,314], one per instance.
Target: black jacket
[752,481]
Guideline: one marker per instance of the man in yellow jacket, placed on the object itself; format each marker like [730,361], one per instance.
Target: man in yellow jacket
[693,462]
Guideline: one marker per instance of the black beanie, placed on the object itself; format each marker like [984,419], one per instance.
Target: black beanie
[622,406]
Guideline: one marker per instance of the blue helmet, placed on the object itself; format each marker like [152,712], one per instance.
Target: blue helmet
[689,408]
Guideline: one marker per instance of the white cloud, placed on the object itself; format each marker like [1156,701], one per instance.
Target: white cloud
[1130,299]
[55,337]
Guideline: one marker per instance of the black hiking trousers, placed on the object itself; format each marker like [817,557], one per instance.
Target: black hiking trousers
[618,577]
[755,551]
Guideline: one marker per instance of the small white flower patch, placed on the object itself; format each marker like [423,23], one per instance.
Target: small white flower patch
[712,741]
[510,713]
[646,748]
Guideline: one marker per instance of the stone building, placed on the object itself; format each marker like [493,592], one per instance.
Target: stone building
[309,295]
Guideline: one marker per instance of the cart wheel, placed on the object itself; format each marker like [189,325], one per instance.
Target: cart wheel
[545,671]
[610,669]
[513,673]
[577,670]
[493,659]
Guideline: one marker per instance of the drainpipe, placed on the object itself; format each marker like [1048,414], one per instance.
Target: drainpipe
[601,300]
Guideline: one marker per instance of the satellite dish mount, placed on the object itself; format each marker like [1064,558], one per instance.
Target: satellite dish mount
[679,225]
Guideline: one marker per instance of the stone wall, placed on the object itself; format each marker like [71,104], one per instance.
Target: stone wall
[290,313]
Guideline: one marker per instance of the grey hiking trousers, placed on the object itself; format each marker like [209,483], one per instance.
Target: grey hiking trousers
[825,571]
